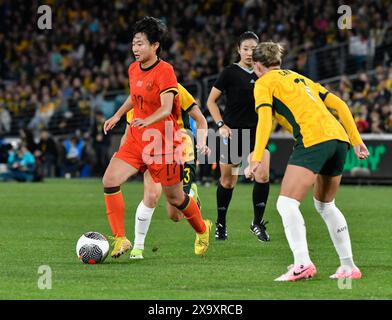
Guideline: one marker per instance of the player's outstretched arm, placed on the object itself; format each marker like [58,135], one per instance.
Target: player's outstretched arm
[263,131]
[334,102]
[111,122]
[201,125]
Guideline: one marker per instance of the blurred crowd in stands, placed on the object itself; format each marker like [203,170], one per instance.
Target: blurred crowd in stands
[369,98]
[73,76]
[77,155]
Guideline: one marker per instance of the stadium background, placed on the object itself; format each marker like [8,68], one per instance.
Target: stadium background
[69,79]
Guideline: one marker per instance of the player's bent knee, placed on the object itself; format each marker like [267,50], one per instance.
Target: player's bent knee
[227,183]
[322,207]
[262,175]
[175,200]
[110,181]
[284,203]
[173,213]
[262,178]
[151,199]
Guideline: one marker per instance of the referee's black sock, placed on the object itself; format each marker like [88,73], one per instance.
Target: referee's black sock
[223,198]
[260,196]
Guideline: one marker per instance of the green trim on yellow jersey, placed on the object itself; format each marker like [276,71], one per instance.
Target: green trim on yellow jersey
[323,95]
[285,112]
[263,105]
[183,120]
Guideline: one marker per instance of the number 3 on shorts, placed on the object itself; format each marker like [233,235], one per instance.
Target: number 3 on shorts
[187,175]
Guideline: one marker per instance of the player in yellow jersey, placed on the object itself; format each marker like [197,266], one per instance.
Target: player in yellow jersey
[322,142]
[152,190]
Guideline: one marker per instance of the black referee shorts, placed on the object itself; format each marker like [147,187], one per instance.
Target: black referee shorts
[237,149]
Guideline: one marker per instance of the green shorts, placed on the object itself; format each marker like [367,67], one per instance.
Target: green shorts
[326,158]
[189,176]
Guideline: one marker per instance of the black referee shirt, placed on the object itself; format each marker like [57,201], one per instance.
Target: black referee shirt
[237,84]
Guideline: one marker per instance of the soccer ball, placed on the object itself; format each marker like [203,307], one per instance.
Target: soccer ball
[92,247]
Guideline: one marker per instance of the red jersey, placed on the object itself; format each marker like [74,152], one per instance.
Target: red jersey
[146,87]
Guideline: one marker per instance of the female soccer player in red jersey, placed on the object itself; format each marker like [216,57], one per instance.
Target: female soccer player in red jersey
[152,142]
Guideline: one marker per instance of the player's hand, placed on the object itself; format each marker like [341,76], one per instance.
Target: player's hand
[361,151]
[203,150]
[139,123]
[250,171]
[110,123]
[225,132]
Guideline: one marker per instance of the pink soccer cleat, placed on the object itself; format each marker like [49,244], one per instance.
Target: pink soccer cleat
[343,272]
[298,272]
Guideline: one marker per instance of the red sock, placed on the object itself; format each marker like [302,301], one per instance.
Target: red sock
[115,210]
[192,213]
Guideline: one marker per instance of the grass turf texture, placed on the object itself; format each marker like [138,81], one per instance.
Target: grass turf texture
[40,224]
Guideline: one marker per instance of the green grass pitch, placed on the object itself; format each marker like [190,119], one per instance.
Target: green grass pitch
[40,224]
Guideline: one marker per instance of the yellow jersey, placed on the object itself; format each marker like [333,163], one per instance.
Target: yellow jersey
[186,102]
[300,106]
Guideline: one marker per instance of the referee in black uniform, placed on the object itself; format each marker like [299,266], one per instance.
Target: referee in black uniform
[238,119]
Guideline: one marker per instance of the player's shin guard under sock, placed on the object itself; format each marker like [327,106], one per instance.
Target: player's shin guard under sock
[192,213]
[142,223]
[223,198]
[115,210]
[260,196]
[338,230]
[294,228]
